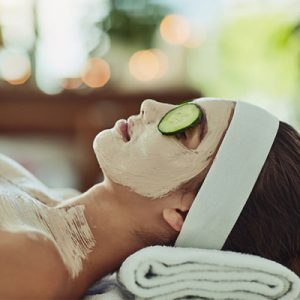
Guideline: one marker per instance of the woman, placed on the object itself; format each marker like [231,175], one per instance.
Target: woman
[52,250]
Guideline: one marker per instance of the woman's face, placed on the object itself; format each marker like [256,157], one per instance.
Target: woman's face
[153,164]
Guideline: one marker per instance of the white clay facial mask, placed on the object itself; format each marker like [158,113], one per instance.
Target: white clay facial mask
[153,164]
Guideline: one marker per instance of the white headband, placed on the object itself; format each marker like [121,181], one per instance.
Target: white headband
[231,178]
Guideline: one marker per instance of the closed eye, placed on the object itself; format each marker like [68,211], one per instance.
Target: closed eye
[181,135]
[191,137]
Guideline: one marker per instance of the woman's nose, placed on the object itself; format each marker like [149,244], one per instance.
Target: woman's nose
[152,110]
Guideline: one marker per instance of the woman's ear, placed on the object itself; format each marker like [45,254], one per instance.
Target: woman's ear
[175,214]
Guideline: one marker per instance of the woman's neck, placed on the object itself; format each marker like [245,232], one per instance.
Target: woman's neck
[113,222]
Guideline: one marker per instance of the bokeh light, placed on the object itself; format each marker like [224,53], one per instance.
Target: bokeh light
[147,65]
[96,72]
[71,83]
[196,38]
[175,29]
[15,67]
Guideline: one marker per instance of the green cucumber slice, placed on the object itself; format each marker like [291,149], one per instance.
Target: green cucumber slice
[179,119]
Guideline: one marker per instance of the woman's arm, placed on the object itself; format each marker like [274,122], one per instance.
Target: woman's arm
[31,267]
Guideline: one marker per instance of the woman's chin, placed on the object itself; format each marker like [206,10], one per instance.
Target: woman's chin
[101,138]
[106,146]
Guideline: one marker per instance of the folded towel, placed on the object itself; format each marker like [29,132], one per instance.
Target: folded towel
[109,295]
[161,272]
[108,288]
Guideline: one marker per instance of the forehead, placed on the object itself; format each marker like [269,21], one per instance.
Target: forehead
[211,101]
[215,105]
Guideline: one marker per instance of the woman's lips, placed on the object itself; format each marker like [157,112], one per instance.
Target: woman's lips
[122,128]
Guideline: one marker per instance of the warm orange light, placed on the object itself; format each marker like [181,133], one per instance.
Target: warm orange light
[96,73]
[20,80]
[175,29]
[147,65]
[15,68]
[71,83]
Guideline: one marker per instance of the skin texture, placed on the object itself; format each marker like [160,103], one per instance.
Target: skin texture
[67,229]
[152,164]
[113,221]
[115,213]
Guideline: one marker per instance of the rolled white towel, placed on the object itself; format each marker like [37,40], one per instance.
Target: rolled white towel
[109,295]
[161,272]
[108,288]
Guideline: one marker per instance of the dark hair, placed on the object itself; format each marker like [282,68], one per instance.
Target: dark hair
[269,224]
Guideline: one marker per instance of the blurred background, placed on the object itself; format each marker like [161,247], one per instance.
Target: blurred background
[71,68]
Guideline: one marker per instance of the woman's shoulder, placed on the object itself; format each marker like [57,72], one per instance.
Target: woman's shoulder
[26,258]
[27,242]
[15,173]
[12,169]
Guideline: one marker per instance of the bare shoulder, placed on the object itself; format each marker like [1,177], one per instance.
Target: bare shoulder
[29,261]
[28,243]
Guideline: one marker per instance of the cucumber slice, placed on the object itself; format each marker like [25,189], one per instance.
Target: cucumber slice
[180,118]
